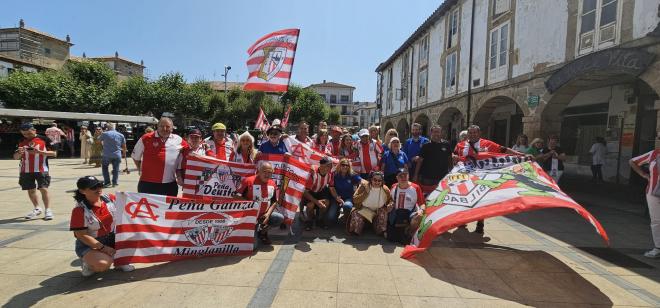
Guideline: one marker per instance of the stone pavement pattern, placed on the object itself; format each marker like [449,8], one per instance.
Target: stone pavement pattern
[550,258]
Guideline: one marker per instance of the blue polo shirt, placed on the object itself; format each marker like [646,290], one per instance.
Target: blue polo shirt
[268,148]
[112,143]
[412,147]
[393,161]
[344,185]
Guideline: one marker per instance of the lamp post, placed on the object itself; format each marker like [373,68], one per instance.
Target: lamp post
[227,68]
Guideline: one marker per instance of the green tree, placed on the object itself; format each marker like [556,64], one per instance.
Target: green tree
[306,105]
[333,117]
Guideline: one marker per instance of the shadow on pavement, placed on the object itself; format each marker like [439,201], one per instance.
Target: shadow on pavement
[527,277]
[71,282]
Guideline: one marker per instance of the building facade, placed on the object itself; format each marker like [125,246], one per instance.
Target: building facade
[31,50]
[340,98]
[122,67]
[578,69]
[367,114]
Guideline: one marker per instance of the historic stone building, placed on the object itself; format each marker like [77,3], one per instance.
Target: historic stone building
[578,69]
[122,67]
[340,98]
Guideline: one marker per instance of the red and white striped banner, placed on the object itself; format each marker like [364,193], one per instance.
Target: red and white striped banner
[285,119]
[271,61]
[291,175]
[154,228]
[209,177]
[262,122]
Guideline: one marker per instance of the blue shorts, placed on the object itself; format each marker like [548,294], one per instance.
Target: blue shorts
[82,248]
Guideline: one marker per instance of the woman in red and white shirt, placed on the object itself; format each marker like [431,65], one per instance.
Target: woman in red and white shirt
[92,224]
[321,143]
[245,152]
[408,195]
[653,200]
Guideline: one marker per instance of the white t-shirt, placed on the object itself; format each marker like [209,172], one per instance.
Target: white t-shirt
[598,152]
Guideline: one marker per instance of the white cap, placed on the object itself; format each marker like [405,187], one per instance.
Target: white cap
[363,132]
[276,122]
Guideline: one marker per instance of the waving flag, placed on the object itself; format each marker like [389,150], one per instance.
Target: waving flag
[290,174]
[285,119]
[154,228]
[271,61]
[492,185]
[262,122]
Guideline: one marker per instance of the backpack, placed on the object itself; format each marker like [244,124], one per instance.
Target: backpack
[397,226]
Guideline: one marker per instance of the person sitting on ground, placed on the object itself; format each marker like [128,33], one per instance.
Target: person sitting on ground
[92,225]
[371,203]
[261,188]
[343,184]
[409,199]
[317,194]
[393,160]
[245,152]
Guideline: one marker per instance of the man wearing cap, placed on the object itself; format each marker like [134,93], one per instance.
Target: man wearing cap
[157,156]
[114,149]
[220,145]
[274,145]
[369,153]
[317,193]
[33,152]
[407,196]
[335,140]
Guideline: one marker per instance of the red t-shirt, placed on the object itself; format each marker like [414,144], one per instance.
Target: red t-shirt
[97,220]
[317,182]
[160,158]
[252,188]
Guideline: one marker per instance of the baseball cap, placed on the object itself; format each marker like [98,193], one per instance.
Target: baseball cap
[87,182]
[336,129]
[401,170]
[363,132]
[219,126]
[324,161]
[26,126]
[274,127]
[195,132]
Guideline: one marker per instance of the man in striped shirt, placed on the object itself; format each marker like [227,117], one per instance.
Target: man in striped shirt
[652,199]
[369,153]
[33,152]
[317,193]
[219,144]
[157,155]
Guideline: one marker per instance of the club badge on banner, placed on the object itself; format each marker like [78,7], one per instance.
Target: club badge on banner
[154,228]
[491,185]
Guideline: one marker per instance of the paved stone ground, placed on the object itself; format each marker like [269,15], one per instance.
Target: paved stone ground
[547,258]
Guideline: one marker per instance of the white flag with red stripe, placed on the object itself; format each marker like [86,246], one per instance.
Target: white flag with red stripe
[305,153]
[271,61]
[285,119]
[154,228]
[262,122]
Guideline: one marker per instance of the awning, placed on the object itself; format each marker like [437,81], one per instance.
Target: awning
[79,116]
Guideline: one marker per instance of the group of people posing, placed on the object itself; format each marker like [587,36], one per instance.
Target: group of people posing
[375,182]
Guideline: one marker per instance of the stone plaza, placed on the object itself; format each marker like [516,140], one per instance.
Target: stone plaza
[548,258]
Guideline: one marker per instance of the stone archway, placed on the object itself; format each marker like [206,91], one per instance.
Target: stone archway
[500,119]
[388,126]
[423,120]
[452,122]
[403,129]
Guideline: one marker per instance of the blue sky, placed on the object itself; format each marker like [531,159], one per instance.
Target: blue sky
[341,41]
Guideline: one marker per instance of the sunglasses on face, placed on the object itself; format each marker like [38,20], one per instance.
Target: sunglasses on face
[376,180]
[344,165]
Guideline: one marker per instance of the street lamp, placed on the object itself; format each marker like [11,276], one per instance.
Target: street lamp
[227,68]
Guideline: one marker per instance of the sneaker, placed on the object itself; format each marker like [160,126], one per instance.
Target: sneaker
[114,185]
[34,213]
[86,271]
[107,185]
[49,215]
[126,268]
[653,253]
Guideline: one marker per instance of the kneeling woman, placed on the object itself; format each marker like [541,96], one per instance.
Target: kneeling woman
[92,225]
[371,203]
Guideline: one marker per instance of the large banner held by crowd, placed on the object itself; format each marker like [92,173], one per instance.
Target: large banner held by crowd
[209,178]
[491,185]
[154,228]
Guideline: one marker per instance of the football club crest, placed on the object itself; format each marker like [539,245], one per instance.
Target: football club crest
[272,62]
[211,227]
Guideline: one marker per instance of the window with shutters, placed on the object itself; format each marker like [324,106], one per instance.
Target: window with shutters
[499,53]
[450,73]
[422,83]
[333,99]
[424,52]
[598,25]
[452,29]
